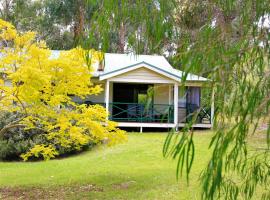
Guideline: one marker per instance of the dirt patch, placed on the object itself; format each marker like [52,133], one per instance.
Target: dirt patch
[89,188]
[124,186]
[263,127]
[59,192]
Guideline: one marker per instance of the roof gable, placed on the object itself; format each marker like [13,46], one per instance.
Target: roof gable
[148,66]
[142,75]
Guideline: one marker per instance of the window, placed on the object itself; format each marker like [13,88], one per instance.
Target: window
[182,98]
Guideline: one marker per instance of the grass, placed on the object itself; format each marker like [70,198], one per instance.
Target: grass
[134,170]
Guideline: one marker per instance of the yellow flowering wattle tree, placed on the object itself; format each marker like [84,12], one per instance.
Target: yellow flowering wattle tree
[38,88]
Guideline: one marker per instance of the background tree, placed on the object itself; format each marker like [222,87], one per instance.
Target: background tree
[140,26]
[61,23]
[113,27]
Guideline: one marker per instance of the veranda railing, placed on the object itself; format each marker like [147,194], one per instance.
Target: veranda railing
[154,113]
[135,112]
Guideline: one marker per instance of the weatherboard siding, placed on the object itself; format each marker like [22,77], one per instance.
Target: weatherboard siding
[182,114]
[7,83]
[95,98]
[141,75]
[162,94]
[163,97]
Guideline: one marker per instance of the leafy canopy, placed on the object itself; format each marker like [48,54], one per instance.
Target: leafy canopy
[40,88]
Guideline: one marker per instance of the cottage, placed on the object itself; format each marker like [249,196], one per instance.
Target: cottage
[146,91]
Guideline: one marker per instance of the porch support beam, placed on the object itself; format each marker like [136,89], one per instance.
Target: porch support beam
[176,105]
[212,106]
[107,95]
[170,94]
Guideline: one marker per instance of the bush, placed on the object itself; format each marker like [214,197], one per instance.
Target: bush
[18,141]
[10,150]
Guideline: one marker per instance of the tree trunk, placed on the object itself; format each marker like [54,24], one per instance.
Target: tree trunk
[122,33]
[79,22]
[5,7]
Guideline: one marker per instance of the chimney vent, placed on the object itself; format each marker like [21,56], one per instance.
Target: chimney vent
[101,63]
[101,66]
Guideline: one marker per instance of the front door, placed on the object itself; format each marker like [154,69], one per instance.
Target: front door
[126,98]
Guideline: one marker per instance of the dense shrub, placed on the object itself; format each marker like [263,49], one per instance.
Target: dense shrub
[18,141]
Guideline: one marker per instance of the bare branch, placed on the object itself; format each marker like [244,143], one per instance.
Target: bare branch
[6,128]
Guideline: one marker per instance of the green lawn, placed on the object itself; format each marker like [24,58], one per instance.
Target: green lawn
[134,170]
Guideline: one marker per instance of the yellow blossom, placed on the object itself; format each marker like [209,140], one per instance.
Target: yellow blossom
[41,87]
